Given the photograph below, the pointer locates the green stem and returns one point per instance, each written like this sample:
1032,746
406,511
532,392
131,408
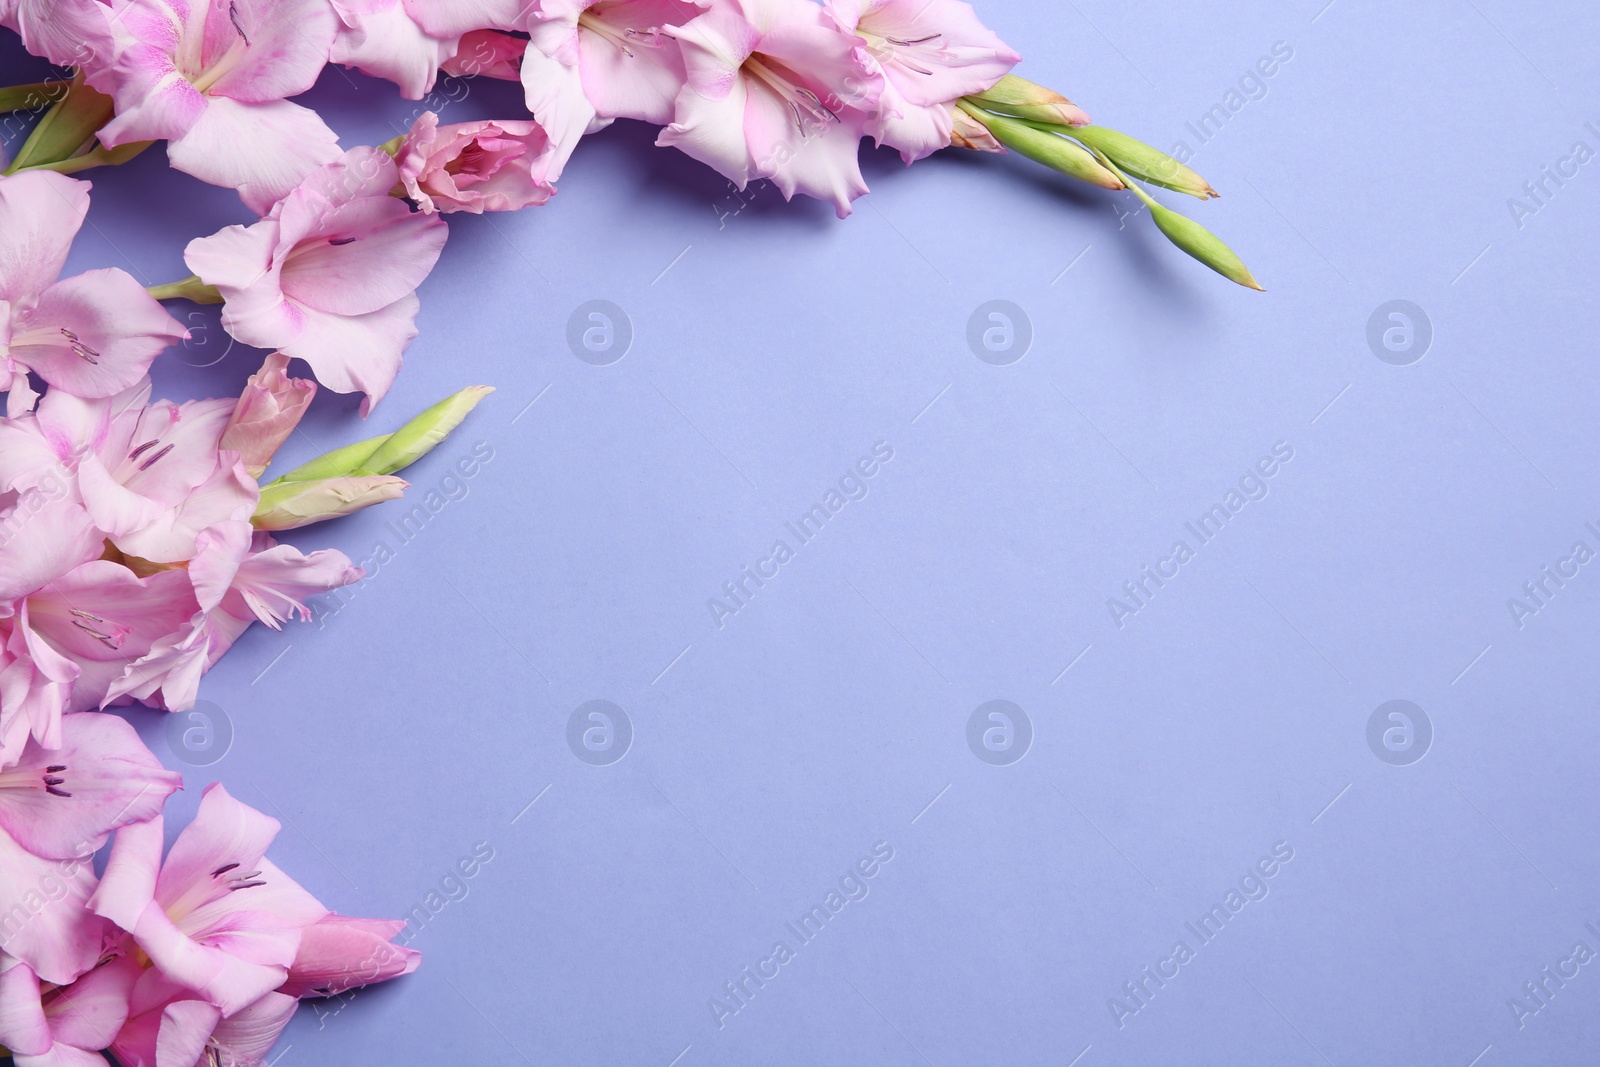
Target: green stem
190,288
31,97
99,156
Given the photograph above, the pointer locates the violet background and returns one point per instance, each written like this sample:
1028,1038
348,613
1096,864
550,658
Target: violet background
772,346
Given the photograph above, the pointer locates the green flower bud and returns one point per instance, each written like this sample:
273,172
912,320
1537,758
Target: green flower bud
1203,245
69,125
1053,151
1023,99
288,505
351,459
419,436
1142,161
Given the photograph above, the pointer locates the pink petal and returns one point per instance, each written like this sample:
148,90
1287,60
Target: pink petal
128,885
711,129
45,921
340,953
452,18
261,149
289,43
388,44
105,332
40,213
88,1013
23,1026
223,831
248,1035
384,250
50,536
554,94
359,353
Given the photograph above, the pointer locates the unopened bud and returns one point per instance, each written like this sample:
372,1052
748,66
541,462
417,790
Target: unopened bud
1050,149
269,409
1024,99
288,505
968,132
419,436
1144,162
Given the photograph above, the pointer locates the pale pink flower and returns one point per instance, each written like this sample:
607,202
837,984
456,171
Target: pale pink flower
266,413
381,38
775,90
45,921
216,917
168,1026
239,577
210,78
150,475
932,53
64,802
339,953
329,275
488,54
61,1025
591,61
475,166
453,18
93,334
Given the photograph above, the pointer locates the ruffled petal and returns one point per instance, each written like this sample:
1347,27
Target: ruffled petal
261,149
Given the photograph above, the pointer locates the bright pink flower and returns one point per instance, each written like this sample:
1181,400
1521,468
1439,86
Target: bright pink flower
216,917
60,1026
267,412
591,61
775,90
932,53
329,275
381,38
339,953
210,79
475,166
44,917
93,334
63,803
488,54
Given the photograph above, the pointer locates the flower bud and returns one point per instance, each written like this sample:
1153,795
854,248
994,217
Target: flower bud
968,132
1203,245
341,461
1023,99
268,410
288,505
1142,161
1053,151
338,954
419,436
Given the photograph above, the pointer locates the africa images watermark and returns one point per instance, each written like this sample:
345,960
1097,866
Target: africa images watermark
1537,193
1542,988
452,487
1253,485
852,485
1253,887
853,887
1538,591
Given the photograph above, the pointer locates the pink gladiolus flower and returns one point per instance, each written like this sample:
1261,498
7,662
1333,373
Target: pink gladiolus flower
338,954
216,918
94,334
591,61
329,275
48,924
151,476
381,38
475,166
62,1025
239,578
62,803
775,90
487,54
168,1025
932,53
267,412
211,78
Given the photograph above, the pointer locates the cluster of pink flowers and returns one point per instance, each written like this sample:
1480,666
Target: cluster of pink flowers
777,89
194,960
